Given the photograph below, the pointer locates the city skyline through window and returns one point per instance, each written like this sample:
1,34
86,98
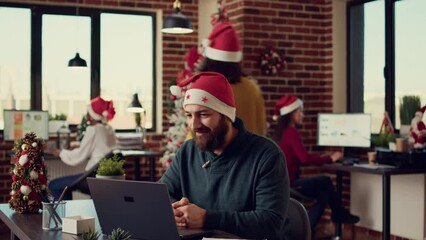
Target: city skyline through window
126,58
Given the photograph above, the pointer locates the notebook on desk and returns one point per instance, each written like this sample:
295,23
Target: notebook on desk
141,208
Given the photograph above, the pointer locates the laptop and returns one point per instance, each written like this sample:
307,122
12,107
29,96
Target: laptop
141,208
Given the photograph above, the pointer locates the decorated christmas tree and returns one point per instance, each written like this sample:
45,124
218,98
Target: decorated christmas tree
29,175
176,134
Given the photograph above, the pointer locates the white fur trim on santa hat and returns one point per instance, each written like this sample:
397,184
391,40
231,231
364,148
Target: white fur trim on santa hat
176,91
290,108
224,56
196,97
92,113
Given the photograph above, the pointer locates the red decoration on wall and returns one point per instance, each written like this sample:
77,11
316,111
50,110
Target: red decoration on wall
271,61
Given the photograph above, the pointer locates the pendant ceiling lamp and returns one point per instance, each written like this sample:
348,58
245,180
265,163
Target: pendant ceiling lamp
77,61
135,106
177,23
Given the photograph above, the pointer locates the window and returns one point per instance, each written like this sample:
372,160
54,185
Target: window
367,59
385,59
65,90
124,45
118,46
15,47
410,38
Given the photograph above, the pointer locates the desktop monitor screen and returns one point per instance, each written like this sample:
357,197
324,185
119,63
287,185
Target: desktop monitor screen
344,129
17,123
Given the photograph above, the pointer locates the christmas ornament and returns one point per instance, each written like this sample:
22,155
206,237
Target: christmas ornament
24,147
28,175
271,61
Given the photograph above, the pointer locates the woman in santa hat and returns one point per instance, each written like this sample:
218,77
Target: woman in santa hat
289,113
98,141
223,55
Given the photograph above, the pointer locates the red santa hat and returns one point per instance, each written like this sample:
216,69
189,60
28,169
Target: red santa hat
285,105
208,89
223,44
101,110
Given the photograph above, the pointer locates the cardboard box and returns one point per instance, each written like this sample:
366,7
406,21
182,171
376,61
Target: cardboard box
77,224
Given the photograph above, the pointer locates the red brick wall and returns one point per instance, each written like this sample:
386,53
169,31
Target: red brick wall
5,177
301,28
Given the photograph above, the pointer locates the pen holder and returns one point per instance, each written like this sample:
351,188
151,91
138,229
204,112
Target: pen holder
52,215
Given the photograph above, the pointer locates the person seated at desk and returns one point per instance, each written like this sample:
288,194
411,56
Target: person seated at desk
290,112
225,177
98,141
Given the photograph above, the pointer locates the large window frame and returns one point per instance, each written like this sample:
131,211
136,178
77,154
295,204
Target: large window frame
355,55
37,12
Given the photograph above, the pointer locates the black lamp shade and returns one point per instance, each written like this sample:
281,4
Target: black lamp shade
177,23
135,106
77,61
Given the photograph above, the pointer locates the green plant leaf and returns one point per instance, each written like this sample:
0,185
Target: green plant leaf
111,166
408,108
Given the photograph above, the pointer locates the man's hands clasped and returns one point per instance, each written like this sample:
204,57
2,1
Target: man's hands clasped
188,214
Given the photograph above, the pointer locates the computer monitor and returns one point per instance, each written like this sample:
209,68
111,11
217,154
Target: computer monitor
344,129
17,123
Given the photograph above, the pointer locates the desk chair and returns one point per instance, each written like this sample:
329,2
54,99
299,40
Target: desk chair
294,193
80,184
298,226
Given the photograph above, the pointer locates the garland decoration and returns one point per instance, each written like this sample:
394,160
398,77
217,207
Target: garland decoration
272,61
29,175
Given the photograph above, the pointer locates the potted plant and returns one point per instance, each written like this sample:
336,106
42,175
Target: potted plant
407,109
56,122
112,167
91,234
382,139
119,234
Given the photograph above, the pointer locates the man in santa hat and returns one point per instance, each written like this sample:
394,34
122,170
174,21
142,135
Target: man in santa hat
418,129
98,141
225,177
223,55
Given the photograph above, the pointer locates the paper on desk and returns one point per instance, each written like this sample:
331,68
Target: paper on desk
373,166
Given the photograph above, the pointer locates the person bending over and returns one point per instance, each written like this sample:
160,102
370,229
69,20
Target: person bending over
225,177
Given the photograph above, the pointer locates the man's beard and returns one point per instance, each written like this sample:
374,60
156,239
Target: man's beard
214,138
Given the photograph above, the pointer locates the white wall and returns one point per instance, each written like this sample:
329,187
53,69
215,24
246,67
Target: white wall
407,203
205,10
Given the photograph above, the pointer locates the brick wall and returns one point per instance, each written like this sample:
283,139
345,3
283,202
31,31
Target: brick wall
301,28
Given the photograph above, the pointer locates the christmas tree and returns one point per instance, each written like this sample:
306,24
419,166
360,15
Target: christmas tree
176,134
29,175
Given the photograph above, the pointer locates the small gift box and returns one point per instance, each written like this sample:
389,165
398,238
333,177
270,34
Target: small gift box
77,224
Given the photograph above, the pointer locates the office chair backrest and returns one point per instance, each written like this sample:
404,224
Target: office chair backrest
81,183
298,226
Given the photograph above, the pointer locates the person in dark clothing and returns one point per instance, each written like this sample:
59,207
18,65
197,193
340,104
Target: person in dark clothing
225,177
289,109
